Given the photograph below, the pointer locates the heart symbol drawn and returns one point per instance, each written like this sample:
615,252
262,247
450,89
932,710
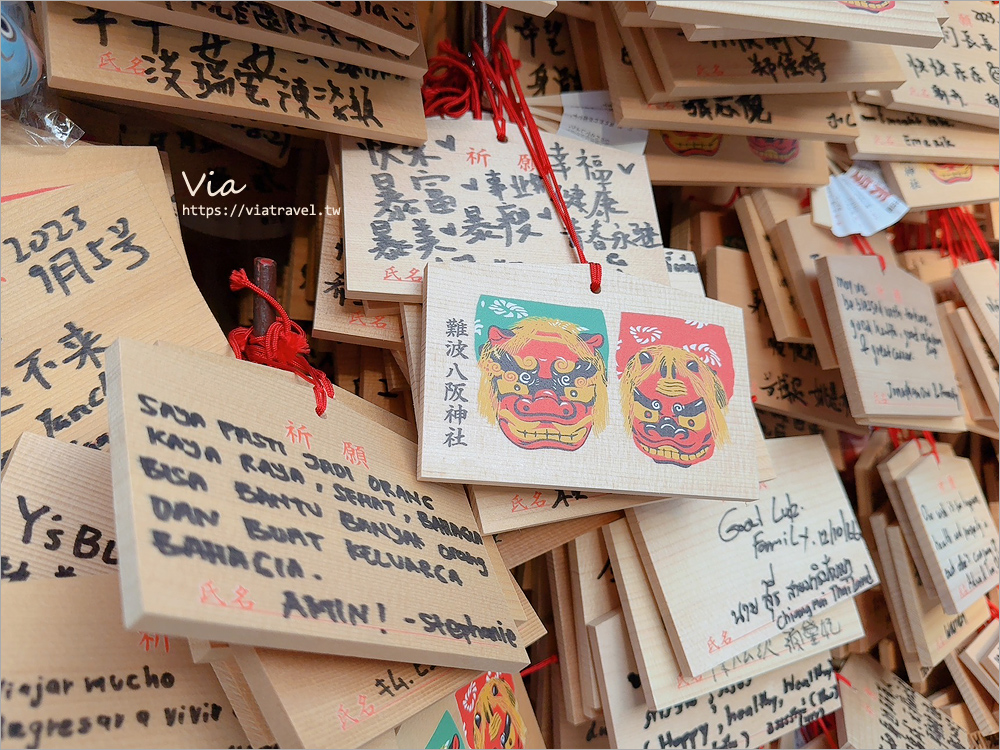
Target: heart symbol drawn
628,169
448,143
449,230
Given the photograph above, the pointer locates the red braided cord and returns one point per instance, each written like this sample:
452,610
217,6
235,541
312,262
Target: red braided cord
284,346
502,77
444,95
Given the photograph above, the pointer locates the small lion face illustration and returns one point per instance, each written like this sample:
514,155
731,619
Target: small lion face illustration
870,6
674,405
496,722
544,383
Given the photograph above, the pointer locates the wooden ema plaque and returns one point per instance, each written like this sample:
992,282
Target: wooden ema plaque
83,681
594,595
116,57
778,65
748,714
886,135
779,298
785,378
695,158
56,517
281,28
900,22
663,683
500,509
981,361
29,168
564,621
461,719
405,576
935,632
882,711
799,243
510,380
905,639
981,657
335,317
978,284
99,263
954,530
888,339
370,696
464,197
923,187
545,51
393,25
958,78
789,556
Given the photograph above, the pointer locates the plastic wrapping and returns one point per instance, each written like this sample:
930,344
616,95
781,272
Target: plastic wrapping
25,95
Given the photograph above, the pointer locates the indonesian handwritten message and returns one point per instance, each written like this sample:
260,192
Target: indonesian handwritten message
886,331
83,265
747,714
789,556
280,528
465,197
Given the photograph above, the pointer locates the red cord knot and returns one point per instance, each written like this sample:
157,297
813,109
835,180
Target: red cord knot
284,346
929,437
841,678
595,277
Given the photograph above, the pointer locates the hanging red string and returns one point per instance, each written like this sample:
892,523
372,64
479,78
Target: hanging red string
284,346
532,668
865,248
497,77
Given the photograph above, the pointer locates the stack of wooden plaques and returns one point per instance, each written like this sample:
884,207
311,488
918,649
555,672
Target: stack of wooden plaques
739,489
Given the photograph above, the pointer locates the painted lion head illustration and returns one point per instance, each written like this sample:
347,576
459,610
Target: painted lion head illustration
496,722
544,382
676,380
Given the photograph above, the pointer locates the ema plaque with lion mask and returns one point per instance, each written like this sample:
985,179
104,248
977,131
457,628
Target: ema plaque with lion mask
639,389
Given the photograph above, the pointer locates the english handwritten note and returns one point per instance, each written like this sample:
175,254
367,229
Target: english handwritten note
954,529
886,331
747,714
882,711
787,557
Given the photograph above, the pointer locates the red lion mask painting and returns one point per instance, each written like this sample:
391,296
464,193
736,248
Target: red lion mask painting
676,382
490,715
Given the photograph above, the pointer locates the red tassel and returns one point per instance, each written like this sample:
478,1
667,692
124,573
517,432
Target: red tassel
284,346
